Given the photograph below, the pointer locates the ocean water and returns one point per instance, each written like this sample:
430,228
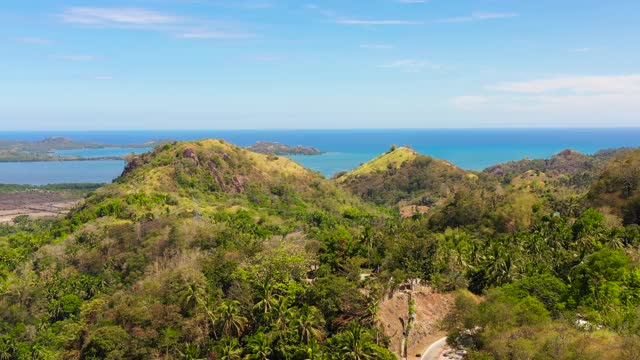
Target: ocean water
53,172
106,152
473,149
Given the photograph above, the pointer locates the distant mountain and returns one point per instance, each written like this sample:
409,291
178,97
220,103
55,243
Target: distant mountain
273,148
568,167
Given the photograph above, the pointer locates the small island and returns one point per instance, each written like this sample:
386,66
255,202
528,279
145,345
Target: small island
44,150
274,148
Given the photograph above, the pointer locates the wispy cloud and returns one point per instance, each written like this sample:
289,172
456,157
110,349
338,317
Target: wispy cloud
575,84
215,35
144,19
33,40
376,46
103,78
478,16
411,65
74,57
346,20
578,96
117,17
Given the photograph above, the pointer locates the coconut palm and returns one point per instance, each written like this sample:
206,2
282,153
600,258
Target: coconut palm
354,343
308,324
259,347
282,314
228,319
228,349
268,298
191,295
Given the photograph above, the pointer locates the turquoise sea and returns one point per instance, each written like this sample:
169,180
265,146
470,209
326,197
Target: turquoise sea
473,149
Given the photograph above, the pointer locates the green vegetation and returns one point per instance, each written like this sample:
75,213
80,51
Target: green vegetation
208,250
272,148
9,188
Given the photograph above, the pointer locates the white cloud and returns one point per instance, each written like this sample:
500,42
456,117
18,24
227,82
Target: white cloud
576,84
478,16
33,40
411,65
614,98
215,35
75,57
347,21
116,17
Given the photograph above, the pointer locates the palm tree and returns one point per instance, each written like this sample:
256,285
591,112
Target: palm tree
190,352
228,349
228,319
259,347
282,314
268,298
354,343
311,351
191,295
308,324
6,349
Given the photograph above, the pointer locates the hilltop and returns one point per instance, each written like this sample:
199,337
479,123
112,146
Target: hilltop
568,167
200,248
402,177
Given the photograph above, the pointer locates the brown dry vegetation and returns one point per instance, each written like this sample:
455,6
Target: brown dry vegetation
430,306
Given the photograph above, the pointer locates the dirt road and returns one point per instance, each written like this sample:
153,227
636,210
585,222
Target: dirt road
435,350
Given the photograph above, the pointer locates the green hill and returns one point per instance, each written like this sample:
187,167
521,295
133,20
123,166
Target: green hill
207,250
618,187
402,177
200,249
566,168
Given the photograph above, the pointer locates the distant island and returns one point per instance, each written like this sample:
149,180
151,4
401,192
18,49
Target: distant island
274,148
43,150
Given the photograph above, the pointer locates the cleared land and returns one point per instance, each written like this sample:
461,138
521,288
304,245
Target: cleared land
36,203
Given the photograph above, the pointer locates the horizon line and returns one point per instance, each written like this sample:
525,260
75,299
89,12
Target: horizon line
334,129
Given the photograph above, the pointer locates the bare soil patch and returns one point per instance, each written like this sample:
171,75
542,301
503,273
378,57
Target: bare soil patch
431,307
36,203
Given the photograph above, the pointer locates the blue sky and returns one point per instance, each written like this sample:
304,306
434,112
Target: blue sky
222,64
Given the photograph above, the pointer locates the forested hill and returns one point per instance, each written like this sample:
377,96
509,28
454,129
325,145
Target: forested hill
618,187
199,249
567,166
207,250
403,177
